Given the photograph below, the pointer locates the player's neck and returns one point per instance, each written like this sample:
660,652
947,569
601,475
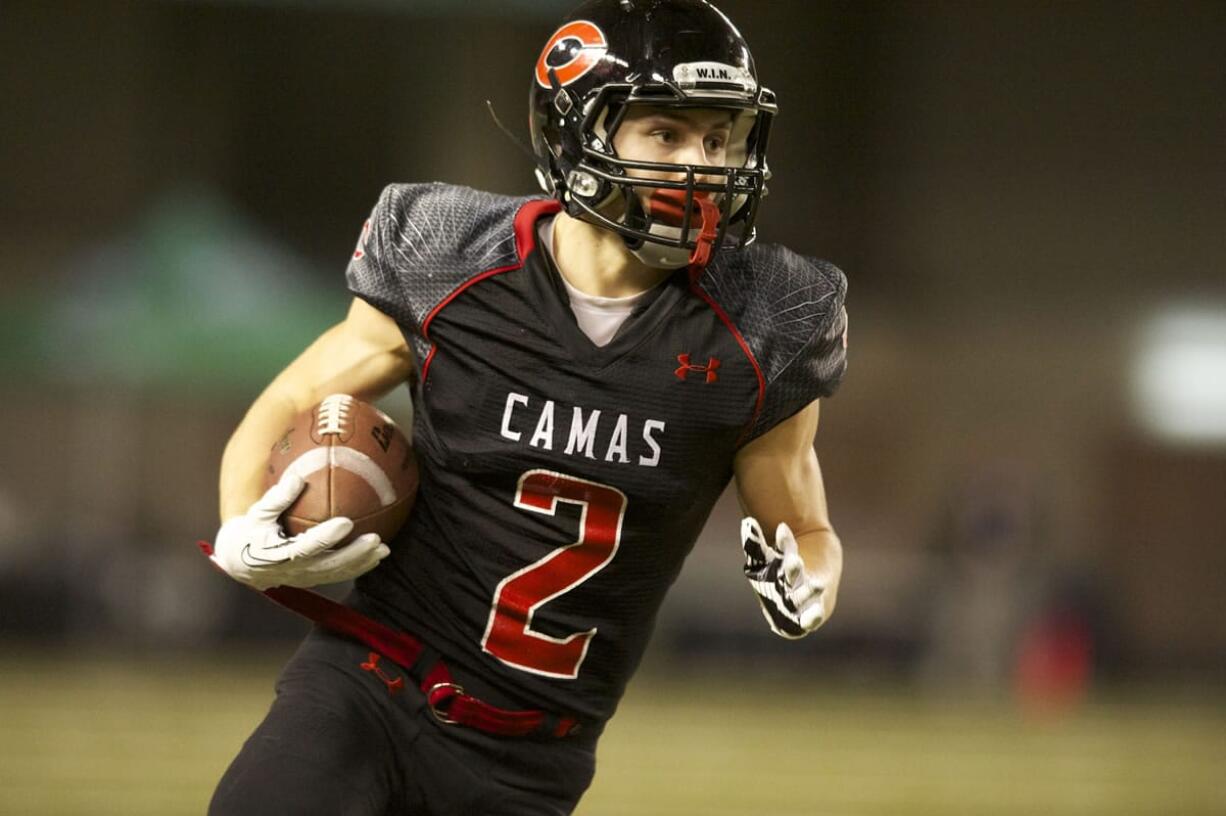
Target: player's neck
596,261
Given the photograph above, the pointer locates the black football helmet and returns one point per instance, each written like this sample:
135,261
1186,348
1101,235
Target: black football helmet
610,54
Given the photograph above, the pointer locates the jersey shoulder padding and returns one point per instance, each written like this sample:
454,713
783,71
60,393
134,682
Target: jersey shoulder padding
789,311
425,241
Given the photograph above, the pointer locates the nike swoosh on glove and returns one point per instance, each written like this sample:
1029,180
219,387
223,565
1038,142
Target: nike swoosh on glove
791,599
254,550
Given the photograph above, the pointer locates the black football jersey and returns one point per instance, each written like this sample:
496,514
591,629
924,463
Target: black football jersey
563,484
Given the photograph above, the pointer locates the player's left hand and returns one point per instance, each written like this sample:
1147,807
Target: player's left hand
254,550
792,600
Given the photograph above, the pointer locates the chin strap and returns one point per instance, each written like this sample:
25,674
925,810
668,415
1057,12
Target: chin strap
668,206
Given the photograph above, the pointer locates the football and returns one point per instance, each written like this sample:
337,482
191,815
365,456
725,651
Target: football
356,463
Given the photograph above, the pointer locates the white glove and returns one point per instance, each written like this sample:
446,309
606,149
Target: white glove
253,550
791,599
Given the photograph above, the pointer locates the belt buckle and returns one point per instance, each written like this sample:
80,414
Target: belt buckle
439,714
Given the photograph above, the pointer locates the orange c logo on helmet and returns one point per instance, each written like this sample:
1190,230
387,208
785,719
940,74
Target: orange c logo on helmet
572,51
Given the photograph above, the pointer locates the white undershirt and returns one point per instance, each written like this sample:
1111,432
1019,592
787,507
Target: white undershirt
598,317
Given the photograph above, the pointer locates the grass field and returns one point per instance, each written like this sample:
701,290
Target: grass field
91,737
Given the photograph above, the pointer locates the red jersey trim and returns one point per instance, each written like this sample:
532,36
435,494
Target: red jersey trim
525,223
740,340
525,243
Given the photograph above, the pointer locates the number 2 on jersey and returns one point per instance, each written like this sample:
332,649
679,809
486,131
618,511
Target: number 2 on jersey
509,635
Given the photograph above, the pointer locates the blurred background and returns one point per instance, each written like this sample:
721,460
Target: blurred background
1026,461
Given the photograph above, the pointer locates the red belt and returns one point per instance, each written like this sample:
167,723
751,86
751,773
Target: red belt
446,699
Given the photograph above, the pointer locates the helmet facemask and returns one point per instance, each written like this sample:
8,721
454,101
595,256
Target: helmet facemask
646,202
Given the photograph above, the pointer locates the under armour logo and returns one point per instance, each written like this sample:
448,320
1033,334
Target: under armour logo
686,367
394,684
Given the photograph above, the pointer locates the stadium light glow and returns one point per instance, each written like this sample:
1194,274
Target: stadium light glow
1179,376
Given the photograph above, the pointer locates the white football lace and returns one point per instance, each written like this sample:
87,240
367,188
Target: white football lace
334,413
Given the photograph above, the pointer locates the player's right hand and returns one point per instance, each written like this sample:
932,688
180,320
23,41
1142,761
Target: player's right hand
254,550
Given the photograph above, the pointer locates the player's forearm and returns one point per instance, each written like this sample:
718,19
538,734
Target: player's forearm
246,454
365,355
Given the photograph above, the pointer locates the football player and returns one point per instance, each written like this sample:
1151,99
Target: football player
589,369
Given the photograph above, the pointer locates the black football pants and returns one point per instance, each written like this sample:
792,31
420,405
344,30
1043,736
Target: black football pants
341,739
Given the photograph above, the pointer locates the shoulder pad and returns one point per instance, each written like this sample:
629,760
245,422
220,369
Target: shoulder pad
789,310
423,241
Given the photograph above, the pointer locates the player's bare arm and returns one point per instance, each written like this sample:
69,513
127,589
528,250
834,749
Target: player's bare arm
779,481
364,355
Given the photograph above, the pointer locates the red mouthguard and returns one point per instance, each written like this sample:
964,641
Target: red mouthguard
668,206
